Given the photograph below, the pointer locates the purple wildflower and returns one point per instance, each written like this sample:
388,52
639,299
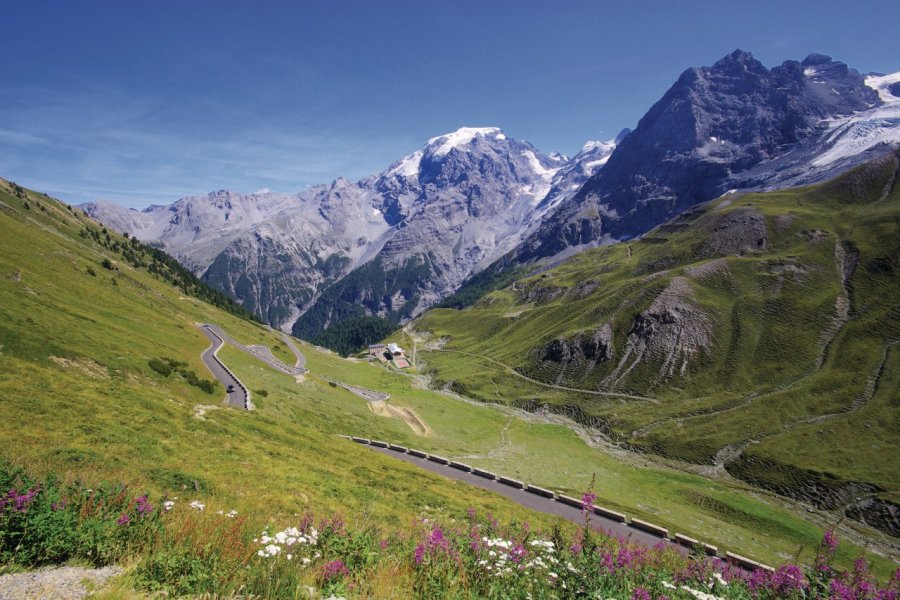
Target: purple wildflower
587,501
840,590
436,540
123,520
759,579
640,593
518,553
420,554
143,506
20,502
829,542
334,570
383,544
788,579
625,558
575,548
608,563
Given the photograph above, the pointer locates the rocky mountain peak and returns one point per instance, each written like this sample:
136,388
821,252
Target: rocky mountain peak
815,59
734,125
739,61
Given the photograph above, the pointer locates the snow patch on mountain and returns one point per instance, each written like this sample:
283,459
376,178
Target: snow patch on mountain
882,84
864,130
461,138
408,166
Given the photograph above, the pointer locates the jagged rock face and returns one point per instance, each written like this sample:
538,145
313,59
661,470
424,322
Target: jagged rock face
736,124
672,333
466,199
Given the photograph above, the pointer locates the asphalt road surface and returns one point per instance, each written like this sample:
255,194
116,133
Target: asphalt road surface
301,358
238,398
530,500
550,506
261,352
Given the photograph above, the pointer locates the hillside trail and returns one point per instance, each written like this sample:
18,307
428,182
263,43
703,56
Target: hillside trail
495,452
365,394
512,371
300,363
56,583
414,338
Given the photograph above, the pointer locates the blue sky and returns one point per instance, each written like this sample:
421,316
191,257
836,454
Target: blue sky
146,102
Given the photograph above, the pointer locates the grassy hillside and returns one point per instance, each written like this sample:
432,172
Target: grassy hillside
77,396
756,334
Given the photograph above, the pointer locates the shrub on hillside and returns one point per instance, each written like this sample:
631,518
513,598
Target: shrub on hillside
167,366
160,366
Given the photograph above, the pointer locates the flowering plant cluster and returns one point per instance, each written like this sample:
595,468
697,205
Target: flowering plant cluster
50,522
197,552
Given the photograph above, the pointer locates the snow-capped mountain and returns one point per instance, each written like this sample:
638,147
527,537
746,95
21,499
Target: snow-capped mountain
735,125
443,212
397,242
456,206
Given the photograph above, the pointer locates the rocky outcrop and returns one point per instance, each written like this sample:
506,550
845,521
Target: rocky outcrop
738,232
671,333
853,498
542,294
875,512
585,347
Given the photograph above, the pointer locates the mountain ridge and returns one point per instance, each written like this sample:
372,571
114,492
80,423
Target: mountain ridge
472,205
462,200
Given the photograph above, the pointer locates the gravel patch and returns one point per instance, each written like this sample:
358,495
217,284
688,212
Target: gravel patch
60,583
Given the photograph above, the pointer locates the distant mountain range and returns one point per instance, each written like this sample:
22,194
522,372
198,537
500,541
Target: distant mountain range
413,232
477,201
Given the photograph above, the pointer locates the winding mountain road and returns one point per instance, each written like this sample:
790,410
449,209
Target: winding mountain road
239,397
262,352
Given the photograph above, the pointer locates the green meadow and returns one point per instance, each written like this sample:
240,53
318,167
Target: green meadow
77,397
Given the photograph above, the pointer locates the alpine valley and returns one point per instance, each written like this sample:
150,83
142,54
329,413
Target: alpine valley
476,207
646,371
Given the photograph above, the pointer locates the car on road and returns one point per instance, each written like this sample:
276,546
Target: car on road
230,388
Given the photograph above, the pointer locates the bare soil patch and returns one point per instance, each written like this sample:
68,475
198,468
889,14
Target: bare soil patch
85,366
407,415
